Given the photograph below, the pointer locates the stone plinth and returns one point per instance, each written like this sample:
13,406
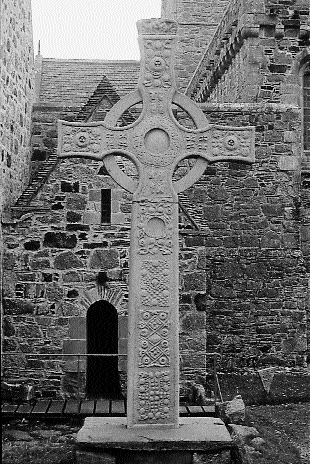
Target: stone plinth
152,444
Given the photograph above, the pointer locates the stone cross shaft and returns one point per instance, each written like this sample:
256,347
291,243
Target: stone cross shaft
155,143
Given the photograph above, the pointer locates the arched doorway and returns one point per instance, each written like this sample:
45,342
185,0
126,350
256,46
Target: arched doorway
102,376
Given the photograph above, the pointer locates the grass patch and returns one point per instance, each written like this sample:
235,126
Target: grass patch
285,428
34,453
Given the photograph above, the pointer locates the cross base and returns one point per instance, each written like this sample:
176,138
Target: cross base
103,440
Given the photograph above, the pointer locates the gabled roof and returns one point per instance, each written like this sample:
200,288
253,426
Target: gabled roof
72,82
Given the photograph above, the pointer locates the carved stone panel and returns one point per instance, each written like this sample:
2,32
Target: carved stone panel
155,283
81,139
154,338
154,396
155,227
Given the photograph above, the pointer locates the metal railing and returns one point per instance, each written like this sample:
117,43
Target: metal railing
215,356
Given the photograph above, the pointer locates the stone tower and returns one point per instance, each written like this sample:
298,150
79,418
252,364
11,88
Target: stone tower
198,20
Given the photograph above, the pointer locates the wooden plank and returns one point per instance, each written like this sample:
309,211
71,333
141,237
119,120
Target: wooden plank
102,407
87,407
8,409
209,410
41,407
56,407
117,408
72,407
183,410
24,408
195,410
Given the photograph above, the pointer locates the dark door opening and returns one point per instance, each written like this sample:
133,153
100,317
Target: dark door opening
102,376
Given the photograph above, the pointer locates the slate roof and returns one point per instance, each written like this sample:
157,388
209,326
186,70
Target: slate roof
72,82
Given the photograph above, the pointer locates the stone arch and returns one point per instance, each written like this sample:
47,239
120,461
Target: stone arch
102,375
111,295
74,379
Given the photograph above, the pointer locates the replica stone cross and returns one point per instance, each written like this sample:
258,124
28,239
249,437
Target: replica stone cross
155,143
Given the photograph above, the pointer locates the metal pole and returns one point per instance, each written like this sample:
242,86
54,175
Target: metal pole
215,378
78,377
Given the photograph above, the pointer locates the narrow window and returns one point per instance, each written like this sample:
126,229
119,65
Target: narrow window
306,91
105,206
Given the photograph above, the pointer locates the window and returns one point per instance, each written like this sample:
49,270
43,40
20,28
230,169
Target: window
306,105
105,206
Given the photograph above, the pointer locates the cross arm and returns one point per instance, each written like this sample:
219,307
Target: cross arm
98,142
92,140
80,140
221,143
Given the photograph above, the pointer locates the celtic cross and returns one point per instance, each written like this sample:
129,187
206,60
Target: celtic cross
155,143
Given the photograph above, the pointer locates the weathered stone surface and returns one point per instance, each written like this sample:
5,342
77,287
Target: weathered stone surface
104,259
59,240
77,328
32,245
203,433
72,276
222,457
271,240
87,457
17,87
29,331
194,281
258,443
76,202
54,292
67,260
68,309
243,431
18,306
8,327
72,216
233,412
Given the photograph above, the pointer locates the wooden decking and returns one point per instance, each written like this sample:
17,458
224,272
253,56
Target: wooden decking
61,409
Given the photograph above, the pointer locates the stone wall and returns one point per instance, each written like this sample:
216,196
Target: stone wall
255,54
197,21
244,240
53,264
243,277
16,87
256,301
